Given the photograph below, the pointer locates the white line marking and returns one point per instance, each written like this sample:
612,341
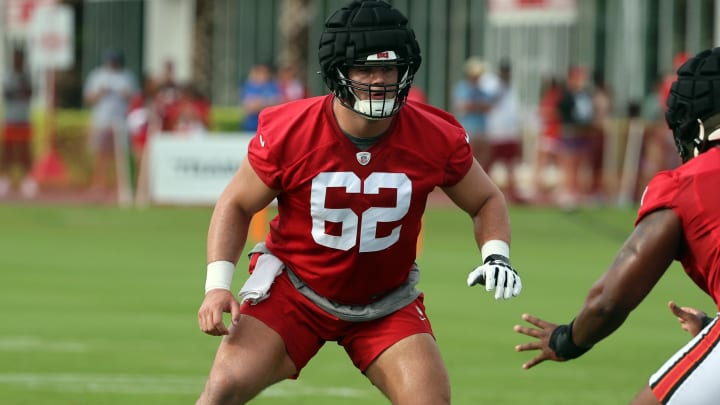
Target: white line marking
29,343
137,384
159,384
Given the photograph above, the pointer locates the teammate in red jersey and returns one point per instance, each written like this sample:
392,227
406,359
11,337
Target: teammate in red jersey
679,220
351,172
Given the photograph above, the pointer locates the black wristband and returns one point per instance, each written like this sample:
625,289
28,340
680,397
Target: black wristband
706,321
497,257
562,344
504,261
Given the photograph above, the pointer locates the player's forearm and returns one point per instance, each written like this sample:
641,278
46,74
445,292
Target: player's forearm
595,323
637,267
589,329
492,221
227,233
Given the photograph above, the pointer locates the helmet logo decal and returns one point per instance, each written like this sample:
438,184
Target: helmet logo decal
384,55
363,157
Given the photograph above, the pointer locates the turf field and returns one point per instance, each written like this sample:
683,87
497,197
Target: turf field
99,304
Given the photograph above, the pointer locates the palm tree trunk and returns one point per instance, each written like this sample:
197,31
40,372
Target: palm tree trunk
294,23
202,47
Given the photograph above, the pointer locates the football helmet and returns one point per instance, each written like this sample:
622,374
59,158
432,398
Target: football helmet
693,105
368,33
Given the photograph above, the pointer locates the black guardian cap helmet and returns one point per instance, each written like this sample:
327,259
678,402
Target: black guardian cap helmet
368,33
693,105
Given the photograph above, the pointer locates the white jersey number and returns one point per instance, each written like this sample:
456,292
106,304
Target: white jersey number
356,230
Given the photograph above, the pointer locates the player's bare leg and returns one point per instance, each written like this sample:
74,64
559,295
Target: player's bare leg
480,150
412,372
251,358
645,397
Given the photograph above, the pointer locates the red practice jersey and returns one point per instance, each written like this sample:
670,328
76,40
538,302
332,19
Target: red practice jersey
691,191
348,220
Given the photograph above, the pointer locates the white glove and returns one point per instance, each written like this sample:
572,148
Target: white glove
497,273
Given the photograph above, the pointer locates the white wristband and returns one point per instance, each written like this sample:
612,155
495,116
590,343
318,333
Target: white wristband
495,247
219,275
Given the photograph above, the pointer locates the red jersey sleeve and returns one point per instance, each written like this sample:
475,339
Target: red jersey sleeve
461,157
263,158
660,193
460,161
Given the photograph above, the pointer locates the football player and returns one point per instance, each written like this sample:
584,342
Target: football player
678,219
351,172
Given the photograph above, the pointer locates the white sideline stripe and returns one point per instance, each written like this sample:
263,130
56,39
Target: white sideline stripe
294,389
29,343
127,384
156,384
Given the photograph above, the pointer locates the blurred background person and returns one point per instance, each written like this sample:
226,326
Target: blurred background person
17,129
548,142
658,149
190,114
669,77
291,86
471,104
138,124
260,90
504,132
602,105
575,109
166,92
108,90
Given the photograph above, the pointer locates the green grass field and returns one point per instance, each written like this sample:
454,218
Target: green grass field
99,307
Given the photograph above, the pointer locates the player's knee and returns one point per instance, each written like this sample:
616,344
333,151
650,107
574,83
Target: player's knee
438,395
226,389
422,391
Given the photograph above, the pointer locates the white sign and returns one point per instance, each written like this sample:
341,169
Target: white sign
532,12
194,170
18,14
51,37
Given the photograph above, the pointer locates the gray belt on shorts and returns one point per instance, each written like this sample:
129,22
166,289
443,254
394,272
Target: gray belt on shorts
389,303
